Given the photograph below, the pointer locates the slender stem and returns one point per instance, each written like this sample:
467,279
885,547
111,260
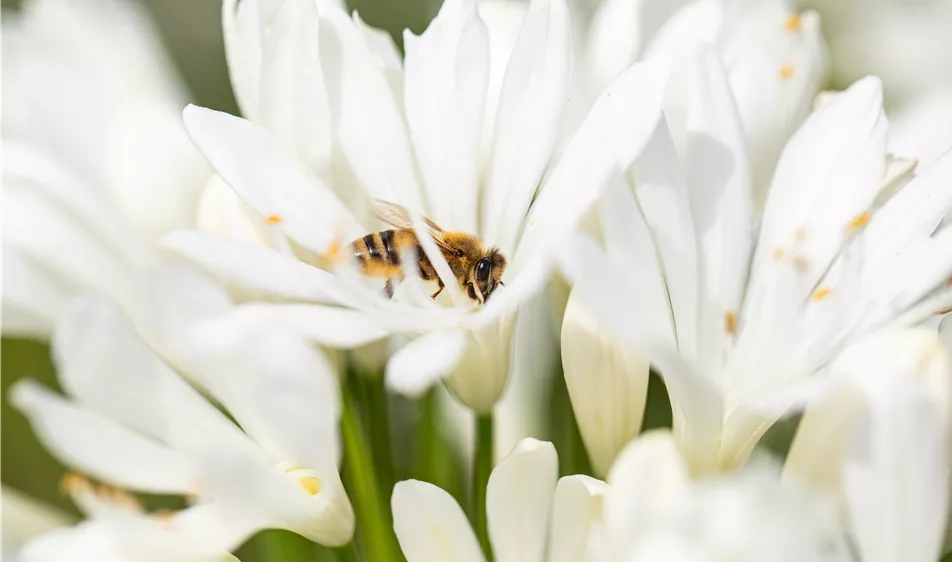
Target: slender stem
345,553
378,420
284,546
373,516
437,462
481,471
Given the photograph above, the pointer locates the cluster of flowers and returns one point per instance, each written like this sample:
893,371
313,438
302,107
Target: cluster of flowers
717,222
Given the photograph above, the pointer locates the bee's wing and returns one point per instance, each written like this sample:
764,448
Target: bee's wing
399,216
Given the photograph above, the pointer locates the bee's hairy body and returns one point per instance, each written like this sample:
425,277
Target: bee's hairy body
380,254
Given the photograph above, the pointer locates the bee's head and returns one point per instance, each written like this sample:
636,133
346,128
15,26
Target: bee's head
487,274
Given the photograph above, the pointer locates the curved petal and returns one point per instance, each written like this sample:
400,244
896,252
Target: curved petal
251,161
445,78
370,125
33,296
423,361
615,131
242,37
534,91
97,445
576,508
430,525
259,269
519,501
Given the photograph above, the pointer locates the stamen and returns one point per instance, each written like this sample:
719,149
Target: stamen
792,23
73,482
311,483
730,322
821,294
859,221
274,219
785,72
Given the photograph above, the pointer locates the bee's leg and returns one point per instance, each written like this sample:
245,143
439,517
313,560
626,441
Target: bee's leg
438,291
388,289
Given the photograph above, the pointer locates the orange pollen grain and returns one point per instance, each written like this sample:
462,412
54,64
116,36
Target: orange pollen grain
274,219
859,221
785,72
792,23
821,294
730,322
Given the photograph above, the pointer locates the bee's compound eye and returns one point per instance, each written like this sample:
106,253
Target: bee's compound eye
483,267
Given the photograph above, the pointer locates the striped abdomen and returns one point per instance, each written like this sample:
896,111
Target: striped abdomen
378,253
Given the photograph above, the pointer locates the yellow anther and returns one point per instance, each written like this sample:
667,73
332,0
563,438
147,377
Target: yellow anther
785,72
821,294
73,482
311,483
859,221
274,219
730,322
792,23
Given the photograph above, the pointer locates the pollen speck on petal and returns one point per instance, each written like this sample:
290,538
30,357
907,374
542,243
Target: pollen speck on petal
778,254
786,72
859,221
274,219
73,482
730,322
311,484
821,294
792,23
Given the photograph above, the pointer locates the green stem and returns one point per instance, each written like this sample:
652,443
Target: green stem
437,462
345,553
284,546
371,508
378,420
481,470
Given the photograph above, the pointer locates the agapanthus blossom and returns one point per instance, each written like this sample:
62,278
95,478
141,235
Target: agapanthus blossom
131,421
419,146
682,280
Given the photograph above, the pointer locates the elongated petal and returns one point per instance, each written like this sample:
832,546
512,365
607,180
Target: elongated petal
109,369
445,80
370,123
252,162
607,384
97,445
576,507
519,500
423,361
430,525
648,479
613,134
33,296
479,377
718,180
260,269
293,98
242,37
533,92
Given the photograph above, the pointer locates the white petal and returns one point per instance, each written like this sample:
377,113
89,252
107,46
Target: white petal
662,195
33,296
829,174
648,478
242,37
109,369
97,445
576,508
607,384
613,134
896,476
445,78
250,160
370,124
718,180
533,92
945,331
293,99
479,377
519,501
260,269
430,525
423,361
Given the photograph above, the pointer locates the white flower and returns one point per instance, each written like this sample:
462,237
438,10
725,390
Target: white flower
775,58
96,164
532,514
879,442
434,125
736,328
653,512
131,421
117,530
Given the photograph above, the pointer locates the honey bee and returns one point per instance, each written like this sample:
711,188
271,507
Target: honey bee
477,269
